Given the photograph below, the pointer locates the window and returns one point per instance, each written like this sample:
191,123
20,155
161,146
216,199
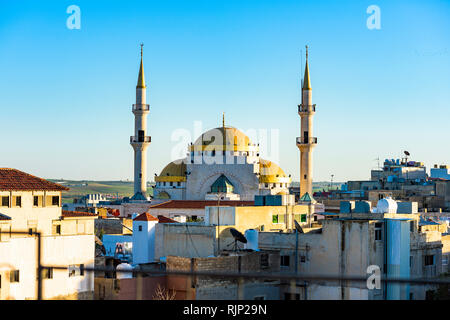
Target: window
264,260
444,260
35,201
75,270
14,276
429,260
5,201
275,218
55,200
140,228
411,226
18,202
303,218
411,259
47,273
378,230
285,261
302,259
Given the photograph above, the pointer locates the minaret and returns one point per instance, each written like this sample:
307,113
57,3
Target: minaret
140,141
306,142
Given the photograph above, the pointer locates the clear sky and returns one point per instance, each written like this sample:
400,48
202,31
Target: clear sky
66,95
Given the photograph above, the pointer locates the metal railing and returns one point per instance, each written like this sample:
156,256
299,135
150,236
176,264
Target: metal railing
134,139
303,140
302,108
141,107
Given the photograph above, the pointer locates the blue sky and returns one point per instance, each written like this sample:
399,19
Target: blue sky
66,95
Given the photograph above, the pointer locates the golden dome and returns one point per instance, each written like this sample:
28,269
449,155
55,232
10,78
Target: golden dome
173,172
269,172
223,138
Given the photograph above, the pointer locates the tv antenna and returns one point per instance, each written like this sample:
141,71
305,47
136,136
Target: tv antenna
237,237
298,230
407,154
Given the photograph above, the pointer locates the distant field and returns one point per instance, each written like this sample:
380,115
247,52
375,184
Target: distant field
111,188
125,188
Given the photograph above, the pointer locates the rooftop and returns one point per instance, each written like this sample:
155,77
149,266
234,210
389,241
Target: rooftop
200,204
69,214
16,180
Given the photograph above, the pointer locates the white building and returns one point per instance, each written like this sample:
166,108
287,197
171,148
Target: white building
442,172
31,204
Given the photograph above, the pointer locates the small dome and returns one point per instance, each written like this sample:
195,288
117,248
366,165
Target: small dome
173,172
124,267
270,172
222,138
163,195
386,205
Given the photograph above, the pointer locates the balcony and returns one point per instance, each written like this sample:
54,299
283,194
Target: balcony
146,139
302,108
305,140
141,107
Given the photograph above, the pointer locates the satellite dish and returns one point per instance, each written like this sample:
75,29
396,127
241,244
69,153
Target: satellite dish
297,227
407,153
238,236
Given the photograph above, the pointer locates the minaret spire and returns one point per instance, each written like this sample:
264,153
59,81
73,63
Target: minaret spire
306,81
141,77
223,119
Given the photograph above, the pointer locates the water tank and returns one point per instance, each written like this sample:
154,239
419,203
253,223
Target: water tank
252,239
124,267
387,205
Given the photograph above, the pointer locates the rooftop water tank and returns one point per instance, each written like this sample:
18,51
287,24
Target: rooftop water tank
124,267
252,239
386,205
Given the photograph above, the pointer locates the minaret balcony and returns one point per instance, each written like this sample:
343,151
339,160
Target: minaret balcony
144,139
141,107
307,108
305,141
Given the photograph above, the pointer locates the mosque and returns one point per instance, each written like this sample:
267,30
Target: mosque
223,163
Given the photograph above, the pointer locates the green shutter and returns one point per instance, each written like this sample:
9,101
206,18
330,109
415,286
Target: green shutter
274,218
303,219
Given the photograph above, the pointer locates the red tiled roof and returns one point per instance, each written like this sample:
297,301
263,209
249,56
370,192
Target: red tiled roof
145,217
16,180
69,214
200,204
162,219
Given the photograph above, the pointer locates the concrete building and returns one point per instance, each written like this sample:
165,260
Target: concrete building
213,288
306,142
192,210
29,203
361,237
441,172
210,237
